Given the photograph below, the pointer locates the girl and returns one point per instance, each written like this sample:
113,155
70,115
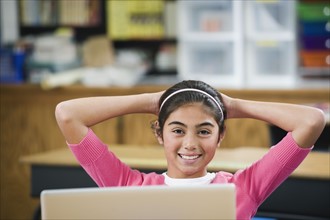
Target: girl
190,126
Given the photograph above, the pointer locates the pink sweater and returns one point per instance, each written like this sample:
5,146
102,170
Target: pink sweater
253,184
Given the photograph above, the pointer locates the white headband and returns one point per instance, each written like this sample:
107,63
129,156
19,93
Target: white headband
193,90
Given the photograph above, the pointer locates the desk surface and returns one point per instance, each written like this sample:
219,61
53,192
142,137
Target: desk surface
315,166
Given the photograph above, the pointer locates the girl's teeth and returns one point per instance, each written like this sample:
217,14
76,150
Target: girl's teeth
189,157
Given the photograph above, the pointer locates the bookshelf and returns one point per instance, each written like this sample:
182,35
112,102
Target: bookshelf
106,18
143,25
255,46
85,17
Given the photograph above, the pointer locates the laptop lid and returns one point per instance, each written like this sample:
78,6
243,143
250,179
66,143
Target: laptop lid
214,201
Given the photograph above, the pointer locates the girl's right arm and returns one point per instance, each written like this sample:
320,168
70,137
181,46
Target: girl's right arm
74,117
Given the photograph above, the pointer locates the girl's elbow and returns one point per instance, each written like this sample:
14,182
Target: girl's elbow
310,128
62,114
318,121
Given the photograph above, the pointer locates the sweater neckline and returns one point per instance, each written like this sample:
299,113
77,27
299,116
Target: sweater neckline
207,179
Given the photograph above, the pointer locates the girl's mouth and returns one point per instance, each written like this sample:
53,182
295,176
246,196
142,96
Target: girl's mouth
189,157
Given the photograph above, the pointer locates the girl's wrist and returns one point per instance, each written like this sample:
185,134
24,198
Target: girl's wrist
239,108
231,105
153,102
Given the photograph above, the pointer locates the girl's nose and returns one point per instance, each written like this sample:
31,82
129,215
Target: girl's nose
190,142
190,147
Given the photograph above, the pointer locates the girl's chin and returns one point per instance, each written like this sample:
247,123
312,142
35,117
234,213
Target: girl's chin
192,173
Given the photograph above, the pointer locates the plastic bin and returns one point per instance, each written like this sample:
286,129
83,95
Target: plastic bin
272,16
11,65
319,58
315,42
315,28
271,57
211,59
209,16
314,11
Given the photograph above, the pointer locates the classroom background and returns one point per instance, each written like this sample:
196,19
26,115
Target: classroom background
271,50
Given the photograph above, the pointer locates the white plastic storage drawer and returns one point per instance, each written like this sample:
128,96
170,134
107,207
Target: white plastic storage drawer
271,63
209,58
272,16
271,57
207,16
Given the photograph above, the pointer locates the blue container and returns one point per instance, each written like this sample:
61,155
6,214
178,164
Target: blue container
11,65
315,28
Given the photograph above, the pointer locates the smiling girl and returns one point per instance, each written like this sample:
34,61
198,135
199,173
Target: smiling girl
191,126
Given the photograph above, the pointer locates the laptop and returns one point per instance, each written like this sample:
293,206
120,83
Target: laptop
213,201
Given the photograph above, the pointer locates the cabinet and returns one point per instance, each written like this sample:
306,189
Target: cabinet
238,43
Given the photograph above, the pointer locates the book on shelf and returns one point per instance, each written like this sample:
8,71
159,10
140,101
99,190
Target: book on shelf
60,12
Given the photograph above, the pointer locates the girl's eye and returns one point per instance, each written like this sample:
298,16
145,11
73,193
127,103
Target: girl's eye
204,132
178,131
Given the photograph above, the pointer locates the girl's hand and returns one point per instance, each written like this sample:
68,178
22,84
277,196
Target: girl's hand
155,102
229,105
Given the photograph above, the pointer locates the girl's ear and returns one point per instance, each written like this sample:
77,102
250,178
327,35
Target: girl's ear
157,132
160,139
222,135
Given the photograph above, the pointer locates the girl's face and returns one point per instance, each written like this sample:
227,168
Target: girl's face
190,139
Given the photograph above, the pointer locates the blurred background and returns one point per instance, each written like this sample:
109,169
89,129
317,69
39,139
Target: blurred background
230,44
53,50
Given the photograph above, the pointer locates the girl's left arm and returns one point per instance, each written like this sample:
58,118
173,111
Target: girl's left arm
306,123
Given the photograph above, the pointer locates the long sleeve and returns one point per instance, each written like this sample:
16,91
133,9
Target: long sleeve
105,168
255,183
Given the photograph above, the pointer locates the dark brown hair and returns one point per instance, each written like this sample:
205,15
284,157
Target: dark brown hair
184,98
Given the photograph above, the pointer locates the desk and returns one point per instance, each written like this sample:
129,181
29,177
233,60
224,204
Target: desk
306,192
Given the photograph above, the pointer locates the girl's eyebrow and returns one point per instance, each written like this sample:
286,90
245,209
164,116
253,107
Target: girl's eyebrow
197,126
177,123
205,124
